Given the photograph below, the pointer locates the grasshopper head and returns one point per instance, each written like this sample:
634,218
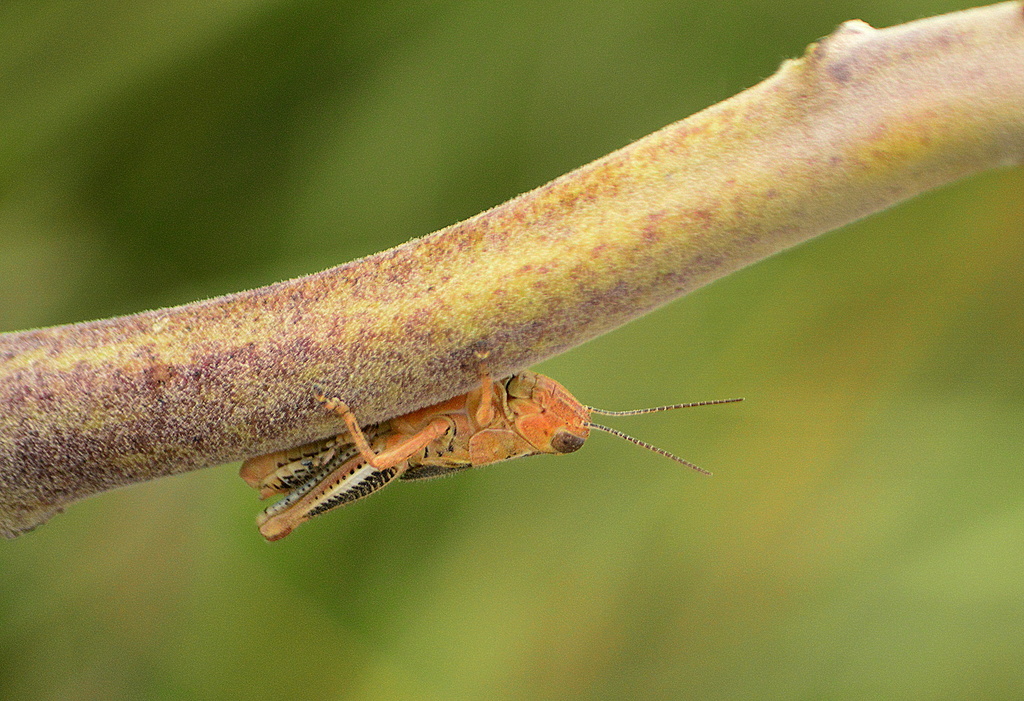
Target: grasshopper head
545,414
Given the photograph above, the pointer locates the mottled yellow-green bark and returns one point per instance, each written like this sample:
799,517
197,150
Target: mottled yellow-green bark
865,119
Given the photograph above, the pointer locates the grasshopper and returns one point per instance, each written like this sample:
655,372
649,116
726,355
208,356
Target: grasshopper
525,414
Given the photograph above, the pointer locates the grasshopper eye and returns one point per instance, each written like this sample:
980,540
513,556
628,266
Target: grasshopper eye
565,442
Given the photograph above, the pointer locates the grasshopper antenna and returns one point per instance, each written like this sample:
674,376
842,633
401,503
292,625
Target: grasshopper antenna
648,446
637,412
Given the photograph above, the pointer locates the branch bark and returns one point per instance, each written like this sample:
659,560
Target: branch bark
865,119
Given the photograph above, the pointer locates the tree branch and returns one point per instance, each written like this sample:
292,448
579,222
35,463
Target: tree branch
865,119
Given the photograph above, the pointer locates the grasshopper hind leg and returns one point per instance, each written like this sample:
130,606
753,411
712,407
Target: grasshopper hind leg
285,468
324,475
426,472
326,489
364,482
296,473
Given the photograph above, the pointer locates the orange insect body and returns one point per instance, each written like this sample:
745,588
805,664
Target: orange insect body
526,414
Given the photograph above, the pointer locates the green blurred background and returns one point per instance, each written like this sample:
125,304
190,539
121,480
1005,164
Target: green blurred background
863,535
